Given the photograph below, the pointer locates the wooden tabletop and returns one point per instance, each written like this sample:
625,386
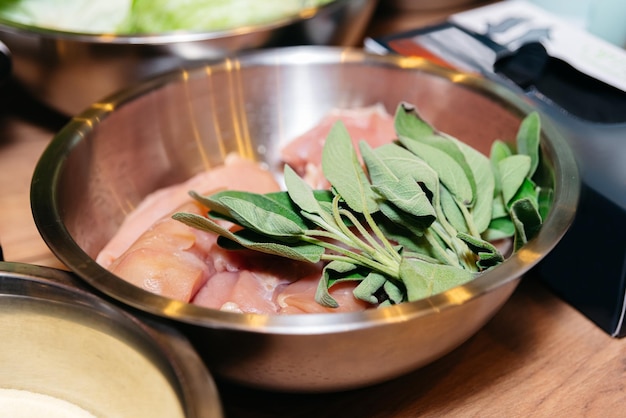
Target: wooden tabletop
538,357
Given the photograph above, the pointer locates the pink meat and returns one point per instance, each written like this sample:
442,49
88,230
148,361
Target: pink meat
236,174
216,293
304,154
257,283
164,256
240,291
168,259
299,297
249,281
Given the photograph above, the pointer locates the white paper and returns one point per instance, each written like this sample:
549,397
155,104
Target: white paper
515,22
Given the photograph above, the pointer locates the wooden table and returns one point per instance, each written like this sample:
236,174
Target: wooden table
538,357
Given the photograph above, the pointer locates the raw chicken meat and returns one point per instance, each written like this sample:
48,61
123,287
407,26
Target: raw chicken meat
248,281
299,297
236,174
304,154
164,256
170,258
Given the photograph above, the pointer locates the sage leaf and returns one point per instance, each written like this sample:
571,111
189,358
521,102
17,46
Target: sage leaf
513,171
424,279
300,251
499,228
528,138
450,173
323,197
407,196
407,235
484,178
394,293
488,254
400,162
213,204
499,151
528,190
545,196
200,222
283,198
399,189
527,220
415,224
407,121
440,151
419,284
451,210
335,271
343,171
498,208
269,219
368,287
277,203
304,197
301,193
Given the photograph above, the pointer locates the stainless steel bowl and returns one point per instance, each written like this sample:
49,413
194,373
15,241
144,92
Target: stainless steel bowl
62,341
69,71
431,5
163,131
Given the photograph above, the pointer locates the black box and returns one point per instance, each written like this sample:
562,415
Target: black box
588,267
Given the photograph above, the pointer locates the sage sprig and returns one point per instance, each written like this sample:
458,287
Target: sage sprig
407,220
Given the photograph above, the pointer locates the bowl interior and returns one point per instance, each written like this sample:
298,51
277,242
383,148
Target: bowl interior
165,130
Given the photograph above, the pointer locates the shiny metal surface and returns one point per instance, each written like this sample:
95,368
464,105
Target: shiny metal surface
429,5
6,63
62,341
163,131
69,71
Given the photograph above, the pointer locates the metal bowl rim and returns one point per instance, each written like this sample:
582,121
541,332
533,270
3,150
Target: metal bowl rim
164,38
48,220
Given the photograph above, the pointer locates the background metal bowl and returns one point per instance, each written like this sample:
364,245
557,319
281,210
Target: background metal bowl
69,71
61,341
163,131
430,5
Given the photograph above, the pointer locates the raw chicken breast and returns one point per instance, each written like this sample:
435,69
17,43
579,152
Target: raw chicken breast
249,281
304,154
164,256
236,174
299,297
168,259
252,282
240,291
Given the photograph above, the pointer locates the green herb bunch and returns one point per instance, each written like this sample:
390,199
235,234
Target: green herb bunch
415,217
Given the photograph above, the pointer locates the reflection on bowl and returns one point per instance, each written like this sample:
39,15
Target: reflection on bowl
165,130
450,6
70,346
69,71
